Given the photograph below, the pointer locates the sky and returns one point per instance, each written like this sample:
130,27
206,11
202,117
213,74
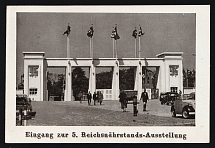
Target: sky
164,32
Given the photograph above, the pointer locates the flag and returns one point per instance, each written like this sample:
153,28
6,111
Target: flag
67,32
134,34
140,32
114,33
90,32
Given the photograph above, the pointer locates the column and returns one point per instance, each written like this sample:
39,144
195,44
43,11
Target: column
68,91
162,78
140,80
92,79
136,74
115,81
167,74
180,74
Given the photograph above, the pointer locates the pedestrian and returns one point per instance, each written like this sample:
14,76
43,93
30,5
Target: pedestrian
89,97
180,92
95,98
145,98
123,100
100,97
80,96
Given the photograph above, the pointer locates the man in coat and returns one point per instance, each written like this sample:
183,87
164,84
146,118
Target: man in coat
145,98
100,97
89,97
123,101
95,98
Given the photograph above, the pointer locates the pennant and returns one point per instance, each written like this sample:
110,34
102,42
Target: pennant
67,32
140,32
134,34
90,32
114,33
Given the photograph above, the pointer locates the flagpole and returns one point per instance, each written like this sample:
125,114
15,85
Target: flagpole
68,49
113,47
92,47
139,47
135,47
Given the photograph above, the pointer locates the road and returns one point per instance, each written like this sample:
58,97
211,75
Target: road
74,113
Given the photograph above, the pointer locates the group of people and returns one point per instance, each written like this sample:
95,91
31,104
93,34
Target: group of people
97,97
122,99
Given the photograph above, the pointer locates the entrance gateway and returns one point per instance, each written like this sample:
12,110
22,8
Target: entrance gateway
169,73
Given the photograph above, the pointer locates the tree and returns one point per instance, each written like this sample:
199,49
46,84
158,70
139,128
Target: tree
79,81
126,79
104,80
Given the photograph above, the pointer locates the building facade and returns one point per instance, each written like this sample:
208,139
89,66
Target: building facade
168,71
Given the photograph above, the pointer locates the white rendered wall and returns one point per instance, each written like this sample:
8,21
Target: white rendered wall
34,82
163,84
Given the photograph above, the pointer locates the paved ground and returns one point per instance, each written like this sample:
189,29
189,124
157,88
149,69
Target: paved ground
108,114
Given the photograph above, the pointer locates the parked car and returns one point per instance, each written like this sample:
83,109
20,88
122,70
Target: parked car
168,97
22,100
184,105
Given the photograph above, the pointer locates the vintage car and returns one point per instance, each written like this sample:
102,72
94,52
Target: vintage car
23,101
168,97
184,105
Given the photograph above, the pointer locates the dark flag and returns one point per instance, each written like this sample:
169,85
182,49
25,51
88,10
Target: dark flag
90,32
114,33
140,32
134,34
67,32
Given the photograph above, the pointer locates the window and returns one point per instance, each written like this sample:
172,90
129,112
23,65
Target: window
173,69
33,70
33,91
174,89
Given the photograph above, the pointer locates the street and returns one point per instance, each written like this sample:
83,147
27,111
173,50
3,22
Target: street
74,113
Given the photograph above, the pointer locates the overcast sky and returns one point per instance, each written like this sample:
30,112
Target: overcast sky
43,32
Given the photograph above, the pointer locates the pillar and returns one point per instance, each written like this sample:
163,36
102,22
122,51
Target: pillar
92,78
136,74
167,76
162,78
115,81
68,91
140,80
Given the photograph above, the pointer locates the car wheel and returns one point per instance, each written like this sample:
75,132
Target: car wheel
185,113
173,112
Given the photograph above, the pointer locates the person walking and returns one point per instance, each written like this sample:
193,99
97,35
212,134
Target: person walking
80,96
89,97
95,98
123,101
100,97
144,98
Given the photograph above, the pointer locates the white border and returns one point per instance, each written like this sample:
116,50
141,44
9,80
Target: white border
197,134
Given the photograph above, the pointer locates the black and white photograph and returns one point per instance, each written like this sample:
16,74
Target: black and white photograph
107,74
